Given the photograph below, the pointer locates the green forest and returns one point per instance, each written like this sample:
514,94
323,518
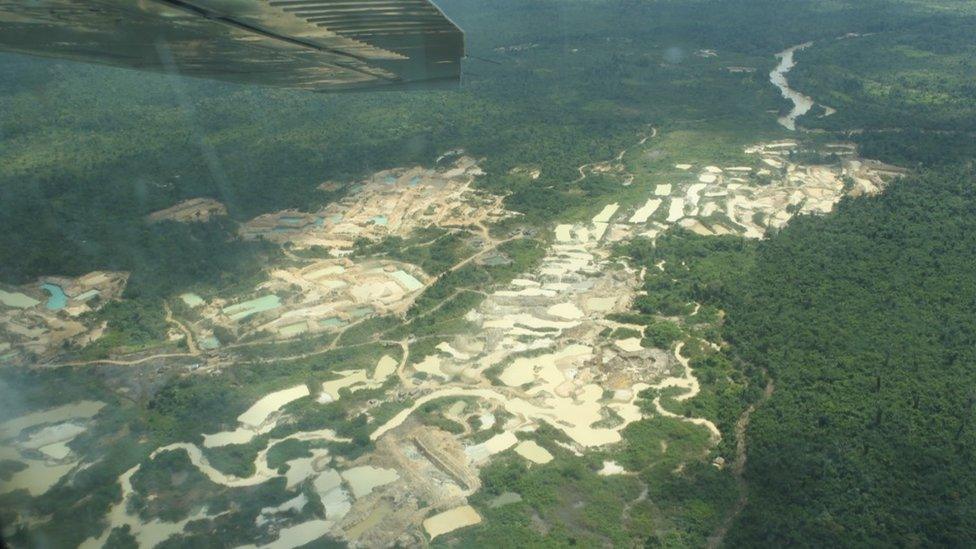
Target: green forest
864,319
88,151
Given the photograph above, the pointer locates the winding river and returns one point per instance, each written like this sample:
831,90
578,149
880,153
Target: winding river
801,103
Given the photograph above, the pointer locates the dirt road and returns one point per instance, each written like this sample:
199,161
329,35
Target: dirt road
738,468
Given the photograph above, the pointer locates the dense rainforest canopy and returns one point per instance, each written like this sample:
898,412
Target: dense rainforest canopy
864,319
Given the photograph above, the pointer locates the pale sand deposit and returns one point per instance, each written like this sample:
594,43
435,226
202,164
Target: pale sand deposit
605,214
451,520
531,451
676,210
366,478
646,211
258,419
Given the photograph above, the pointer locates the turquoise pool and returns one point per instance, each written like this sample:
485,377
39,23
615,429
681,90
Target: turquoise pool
58,298
362,311
291,220
252,307
407,280
332,322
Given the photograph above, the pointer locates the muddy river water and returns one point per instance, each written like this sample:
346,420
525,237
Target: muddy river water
801,103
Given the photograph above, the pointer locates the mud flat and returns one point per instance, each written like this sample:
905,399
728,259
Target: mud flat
257,419
568,311
575,419
451,520
386,366
83,409
147,534
362,480
564,233
356,380
531,451
629,345
296,535
18,300
600,304
479,453
431,365
58,427
693,193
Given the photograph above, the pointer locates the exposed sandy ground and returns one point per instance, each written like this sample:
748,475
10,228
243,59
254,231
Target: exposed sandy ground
389,203
194,210
258,419
29,327
451,520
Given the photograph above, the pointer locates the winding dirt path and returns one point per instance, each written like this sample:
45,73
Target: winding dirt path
640,498
121,362
489,248
738,468
620,156
402,367
190,344
689,382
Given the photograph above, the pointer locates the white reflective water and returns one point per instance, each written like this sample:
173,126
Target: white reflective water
801,103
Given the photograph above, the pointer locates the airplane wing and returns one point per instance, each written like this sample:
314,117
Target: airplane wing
320,45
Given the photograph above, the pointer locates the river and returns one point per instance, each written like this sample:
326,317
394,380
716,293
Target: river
801,103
